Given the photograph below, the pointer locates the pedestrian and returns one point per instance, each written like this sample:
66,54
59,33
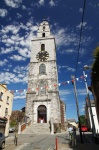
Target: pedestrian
16,139
74,136
70,130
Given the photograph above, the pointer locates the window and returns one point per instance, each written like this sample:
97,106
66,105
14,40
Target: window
42,69
43,47
43,28
42,89
7,100
43,34
1,95
6,112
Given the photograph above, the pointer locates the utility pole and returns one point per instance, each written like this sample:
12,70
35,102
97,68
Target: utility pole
91,114
75,92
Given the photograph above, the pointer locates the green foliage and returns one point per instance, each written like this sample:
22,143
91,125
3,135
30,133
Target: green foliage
96,62
82,119
13,123
96,53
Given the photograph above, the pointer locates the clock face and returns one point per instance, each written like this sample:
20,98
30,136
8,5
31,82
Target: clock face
42,56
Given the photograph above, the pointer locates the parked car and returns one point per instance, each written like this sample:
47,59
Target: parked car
84,128
2,141
12,129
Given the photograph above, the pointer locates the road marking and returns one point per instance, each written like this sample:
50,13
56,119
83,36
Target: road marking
89,139
21,146
50,148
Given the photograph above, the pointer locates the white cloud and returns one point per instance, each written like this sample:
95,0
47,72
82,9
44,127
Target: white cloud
67,67
29,24
3,12
17,58
23,7
24,52
7,50
80,10
19,75
79,62
41,2
2,63
68,51
18,43
65,37
19,15
10,28
84,24
83,92
20,95
21,69
71,69
13,3
65,92
9,41
52,3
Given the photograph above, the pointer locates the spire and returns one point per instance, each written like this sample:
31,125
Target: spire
45,18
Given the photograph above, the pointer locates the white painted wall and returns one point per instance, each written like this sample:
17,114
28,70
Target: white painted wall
95,119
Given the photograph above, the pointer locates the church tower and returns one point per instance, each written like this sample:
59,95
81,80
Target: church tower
42,100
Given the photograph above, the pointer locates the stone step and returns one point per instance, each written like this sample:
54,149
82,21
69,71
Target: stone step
41,128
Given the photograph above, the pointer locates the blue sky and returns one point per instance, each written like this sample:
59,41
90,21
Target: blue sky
19,20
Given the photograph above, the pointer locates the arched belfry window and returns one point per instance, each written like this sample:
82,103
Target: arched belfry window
42,69
42,47
43,34
42,89
43,28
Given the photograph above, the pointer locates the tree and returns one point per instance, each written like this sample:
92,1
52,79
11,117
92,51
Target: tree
82,119
95,67
13,123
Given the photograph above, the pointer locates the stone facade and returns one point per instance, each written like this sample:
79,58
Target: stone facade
42,101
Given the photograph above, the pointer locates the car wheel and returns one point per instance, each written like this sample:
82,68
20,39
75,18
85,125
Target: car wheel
3,145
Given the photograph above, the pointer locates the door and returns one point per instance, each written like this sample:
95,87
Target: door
42,114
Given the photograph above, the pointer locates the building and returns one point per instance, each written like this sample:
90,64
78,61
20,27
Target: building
72,122
94,88
88,116
6,101
95,79
42,99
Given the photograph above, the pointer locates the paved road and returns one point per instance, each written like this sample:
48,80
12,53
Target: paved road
47,142
36,142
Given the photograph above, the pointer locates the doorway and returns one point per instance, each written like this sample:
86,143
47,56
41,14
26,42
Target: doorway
42,114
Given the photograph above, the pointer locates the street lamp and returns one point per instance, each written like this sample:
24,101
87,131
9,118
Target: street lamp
89,102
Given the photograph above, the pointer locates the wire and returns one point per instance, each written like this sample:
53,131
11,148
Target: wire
80,36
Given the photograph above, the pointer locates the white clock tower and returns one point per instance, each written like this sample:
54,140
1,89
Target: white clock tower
42,101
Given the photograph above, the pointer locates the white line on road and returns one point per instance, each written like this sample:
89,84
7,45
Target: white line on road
21,146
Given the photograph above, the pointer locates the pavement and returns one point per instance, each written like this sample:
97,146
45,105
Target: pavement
78,147
88,144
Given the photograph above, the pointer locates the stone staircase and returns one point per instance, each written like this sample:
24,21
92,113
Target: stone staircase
38,128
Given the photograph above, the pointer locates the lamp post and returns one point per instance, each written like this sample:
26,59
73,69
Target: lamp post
81,138
89,102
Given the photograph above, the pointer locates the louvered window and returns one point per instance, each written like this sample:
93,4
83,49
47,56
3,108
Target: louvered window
42,69
42,47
